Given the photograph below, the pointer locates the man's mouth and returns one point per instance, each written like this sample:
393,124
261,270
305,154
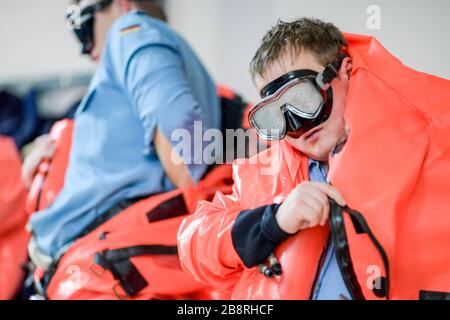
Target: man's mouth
340,145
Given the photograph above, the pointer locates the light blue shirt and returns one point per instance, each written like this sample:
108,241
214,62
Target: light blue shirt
148,78
330,284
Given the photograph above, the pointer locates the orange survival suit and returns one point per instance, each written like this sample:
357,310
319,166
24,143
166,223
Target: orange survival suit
13,237
394,170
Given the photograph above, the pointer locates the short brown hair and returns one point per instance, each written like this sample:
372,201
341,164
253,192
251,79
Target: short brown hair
153,8
324,40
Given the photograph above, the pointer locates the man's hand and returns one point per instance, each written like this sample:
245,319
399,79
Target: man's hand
307,206
43,147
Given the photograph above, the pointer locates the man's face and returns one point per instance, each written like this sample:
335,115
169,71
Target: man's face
318,142
103,21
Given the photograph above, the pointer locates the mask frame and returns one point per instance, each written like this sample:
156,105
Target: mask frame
294,120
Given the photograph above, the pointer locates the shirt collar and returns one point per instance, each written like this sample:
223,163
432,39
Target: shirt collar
318,167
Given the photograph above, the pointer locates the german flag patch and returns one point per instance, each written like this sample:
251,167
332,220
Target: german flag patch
130,29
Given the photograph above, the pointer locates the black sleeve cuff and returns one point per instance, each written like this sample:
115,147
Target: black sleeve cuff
256,234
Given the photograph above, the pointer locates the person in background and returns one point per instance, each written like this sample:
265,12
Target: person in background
148,83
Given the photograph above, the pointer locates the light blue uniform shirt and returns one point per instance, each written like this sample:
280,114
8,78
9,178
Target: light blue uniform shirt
330,284
148,78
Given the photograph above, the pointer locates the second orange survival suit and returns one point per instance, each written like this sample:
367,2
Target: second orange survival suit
13,237
394,170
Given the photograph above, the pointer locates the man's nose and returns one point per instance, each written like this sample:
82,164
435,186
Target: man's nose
293,121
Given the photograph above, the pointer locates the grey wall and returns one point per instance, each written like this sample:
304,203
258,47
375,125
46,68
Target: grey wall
226,33
34,41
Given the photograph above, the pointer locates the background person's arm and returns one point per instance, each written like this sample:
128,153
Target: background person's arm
156,81
172,163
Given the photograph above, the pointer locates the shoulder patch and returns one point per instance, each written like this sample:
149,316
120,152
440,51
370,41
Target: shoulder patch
130,29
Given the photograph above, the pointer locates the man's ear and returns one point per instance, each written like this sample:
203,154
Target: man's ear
124,5
345,71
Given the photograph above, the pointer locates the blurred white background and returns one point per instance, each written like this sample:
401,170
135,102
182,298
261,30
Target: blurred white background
35,43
